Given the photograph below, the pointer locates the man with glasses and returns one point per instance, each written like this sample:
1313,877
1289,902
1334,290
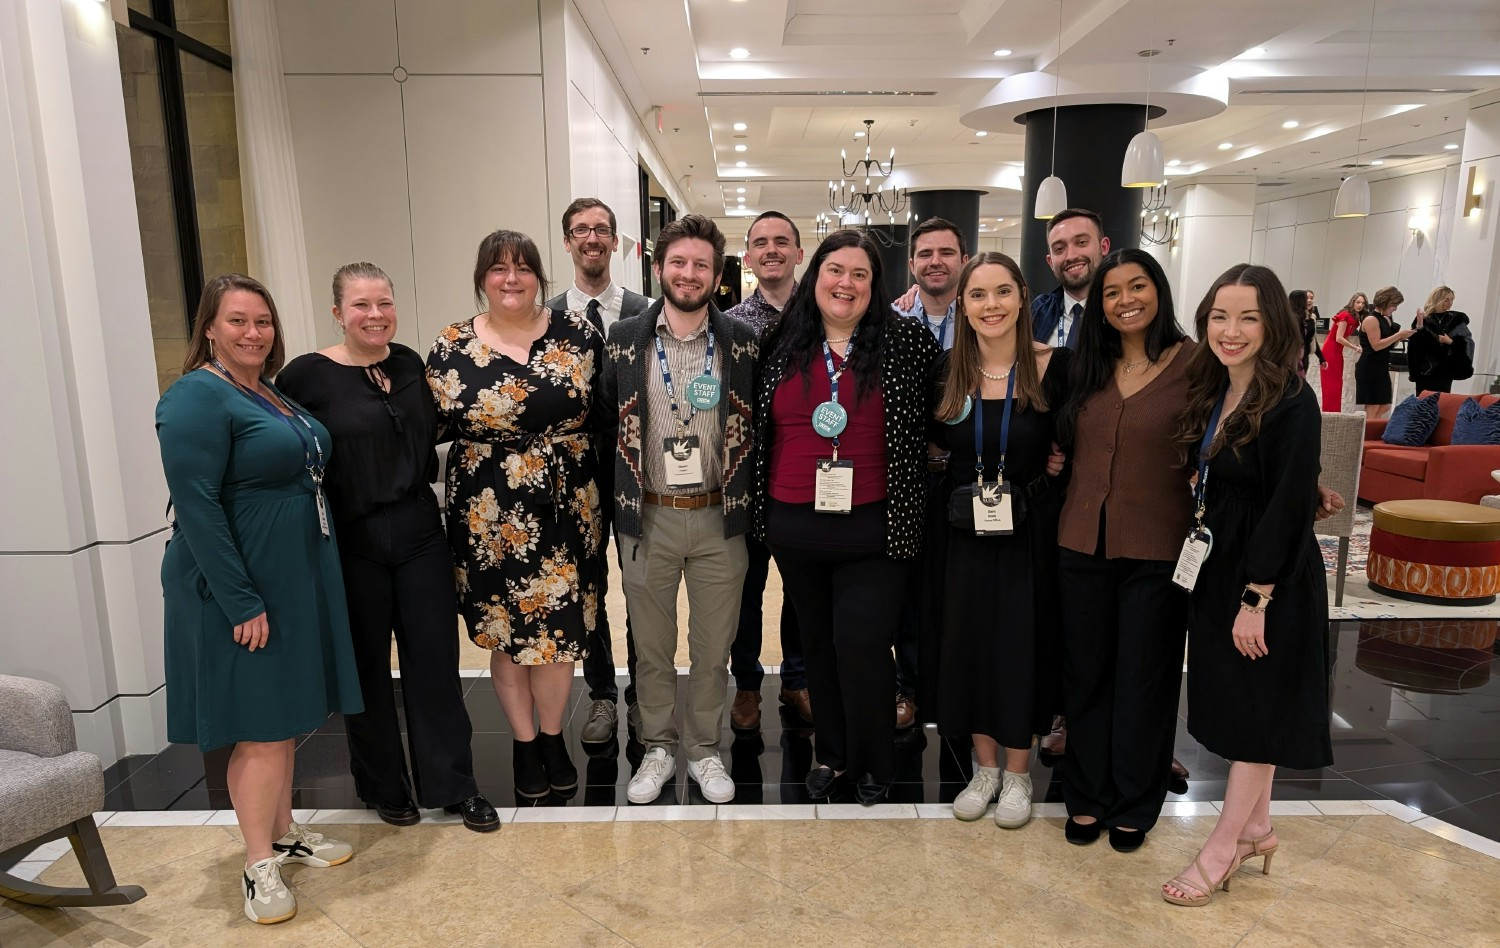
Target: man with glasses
591,238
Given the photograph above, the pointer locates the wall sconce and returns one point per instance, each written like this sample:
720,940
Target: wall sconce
1472,194
1417,226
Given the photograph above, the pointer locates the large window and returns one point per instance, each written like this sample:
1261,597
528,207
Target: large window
179,109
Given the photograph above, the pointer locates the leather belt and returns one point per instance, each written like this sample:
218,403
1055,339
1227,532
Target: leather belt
684,501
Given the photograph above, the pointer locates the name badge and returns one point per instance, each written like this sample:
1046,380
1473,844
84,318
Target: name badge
322,512
683,461
1195,550
992,510
833,487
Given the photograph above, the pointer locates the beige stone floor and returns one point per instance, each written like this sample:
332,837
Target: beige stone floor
470,656
1367,881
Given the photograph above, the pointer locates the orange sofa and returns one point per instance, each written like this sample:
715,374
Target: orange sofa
1437,470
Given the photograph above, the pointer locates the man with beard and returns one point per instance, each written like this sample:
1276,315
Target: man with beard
591,238
1075,247
773,249
676,393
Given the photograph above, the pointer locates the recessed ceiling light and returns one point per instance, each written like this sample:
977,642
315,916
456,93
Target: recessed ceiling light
740,126
740,164
1225,146
739,52
859,134
1002,52
1377,161
741,148
1174,163
1451,146
739,190
740,200
980,134
1000,220
1290,123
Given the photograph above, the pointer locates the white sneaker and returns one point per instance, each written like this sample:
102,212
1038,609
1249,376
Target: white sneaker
301,844
657,767
267,898
976,797
712,780
1014,809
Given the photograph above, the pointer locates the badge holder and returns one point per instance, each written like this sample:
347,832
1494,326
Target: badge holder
1200,539
994,510
682,459
833,480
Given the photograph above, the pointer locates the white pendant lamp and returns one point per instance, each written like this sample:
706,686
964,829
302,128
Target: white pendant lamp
1354,197
1144,166
1051,198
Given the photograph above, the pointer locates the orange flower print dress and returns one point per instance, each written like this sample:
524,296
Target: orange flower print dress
523,503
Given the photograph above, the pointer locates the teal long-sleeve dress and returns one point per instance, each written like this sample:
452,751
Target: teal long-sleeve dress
247,541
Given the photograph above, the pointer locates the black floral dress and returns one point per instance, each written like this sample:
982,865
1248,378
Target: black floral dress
523,502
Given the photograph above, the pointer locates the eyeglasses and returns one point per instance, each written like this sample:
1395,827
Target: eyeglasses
582,231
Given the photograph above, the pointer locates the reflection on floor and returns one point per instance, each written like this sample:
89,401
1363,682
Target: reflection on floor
1337,880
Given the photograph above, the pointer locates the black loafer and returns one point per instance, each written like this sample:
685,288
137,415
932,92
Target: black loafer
821,782
1125,841
1081,834
478,815
401,814
870,791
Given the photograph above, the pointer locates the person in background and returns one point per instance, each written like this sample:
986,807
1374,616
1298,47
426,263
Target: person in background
591,237
371,393
256,635
1377,333
1340,351
514,388
1441,350
1301,301
1076,246
773,250
841,416
1257,680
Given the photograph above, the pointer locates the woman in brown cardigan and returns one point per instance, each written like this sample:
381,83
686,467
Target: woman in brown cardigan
1128,509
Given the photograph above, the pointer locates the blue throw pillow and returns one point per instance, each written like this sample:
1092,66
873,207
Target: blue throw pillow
1475,425
1413,421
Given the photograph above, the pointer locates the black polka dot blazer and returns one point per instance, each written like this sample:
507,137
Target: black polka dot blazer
908,360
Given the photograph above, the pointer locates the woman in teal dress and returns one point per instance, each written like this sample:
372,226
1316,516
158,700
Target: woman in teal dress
257,634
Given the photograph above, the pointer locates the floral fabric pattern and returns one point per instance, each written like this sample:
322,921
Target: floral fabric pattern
524,522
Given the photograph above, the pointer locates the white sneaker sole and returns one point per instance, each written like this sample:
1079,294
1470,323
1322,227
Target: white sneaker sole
971,817
710,797
1012,823
642,796
270,921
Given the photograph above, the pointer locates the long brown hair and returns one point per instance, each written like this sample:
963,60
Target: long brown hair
1275,364
200,348
963,362
1349,306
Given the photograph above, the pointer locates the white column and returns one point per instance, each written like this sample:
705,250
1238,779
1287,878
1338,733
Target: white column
1473,265
81,490
1213,234
268,173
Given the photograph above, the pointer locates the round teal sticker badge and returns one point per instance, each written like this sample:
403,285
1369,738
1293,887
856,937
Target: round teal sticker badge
703,392
968,407
830,419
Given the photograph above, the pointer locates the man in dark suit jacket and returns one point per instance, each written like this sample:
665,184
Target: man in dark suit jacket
591,239
1076,245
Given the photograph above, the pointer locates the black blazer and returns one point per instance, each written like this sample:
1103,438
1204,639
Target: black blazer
631,304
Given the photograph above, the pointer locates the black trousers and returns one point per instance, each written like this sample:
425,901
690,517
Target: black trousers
398,576
744,653
1124,629
848,607
599,663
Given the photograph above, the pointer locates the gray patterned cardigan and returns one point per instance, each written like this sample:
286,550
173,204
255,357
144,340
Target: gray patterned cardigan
628,356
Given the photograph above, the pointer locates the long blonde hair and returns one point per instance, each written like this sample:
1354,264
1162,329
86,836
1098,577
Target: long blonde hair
963,362
1438,294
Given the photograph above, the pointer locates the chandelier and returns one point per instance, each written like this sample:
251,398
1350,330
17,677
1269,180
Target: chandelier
1158,220
877,197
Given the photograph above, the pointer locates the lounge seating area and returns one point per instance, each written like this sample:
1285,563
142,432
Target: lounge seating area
1437,470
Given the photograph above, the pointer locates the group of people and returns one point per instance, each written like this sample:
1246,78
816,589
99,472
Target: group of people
1439,347
936,485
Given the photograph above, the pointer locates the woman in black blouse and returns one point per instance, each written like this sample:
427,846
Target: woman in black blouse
372,395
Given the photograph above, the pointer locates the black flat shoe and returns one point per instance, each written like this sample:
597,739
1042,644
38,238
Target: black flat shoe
478,815
1125,841
870,791
821,782
402,814
1081,834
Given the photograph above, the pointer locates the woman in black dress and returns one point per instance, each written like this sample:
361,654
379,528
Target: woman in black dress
514,386
1258,638
371,393
1441,350
1377,333
1000,595
1302,306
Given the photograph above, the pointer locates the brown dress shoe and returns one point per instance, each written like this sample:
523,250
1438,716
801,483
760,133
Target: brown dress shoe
906,711
1056,742
799,701
1179,772
744,714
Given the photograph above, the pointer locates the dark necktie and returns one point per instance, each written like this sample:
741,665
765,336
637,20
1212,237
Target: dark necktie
594,317
1073,314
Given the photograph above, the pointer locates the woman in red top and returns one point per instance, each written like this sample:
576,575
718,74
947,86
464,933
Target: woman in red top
1343,339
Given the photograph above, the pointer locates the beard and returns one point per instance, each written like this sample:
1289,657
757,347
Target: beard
1080,282
593,267
688,304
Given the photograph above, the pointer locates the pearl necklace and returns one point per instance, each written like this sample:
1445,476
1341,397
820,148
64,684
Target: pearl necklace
996,378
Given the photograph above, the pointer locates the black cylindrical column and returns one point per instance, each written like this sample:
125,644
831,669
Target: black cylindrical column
1091,142
891,241
956,207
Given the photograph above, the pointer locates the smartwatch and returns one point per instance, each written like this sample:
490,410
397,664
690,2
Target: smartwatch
1254,600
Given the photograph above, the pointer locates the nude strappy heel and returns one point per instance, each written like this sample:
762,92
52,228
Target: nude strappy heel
1256,850
1182,883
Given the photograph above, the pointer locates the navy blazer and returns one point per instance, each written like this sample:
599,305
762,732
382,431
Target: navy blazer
1046,310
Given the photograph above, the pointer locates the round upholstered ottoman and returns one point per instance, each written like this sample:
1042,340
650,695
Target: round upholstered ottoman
1435,551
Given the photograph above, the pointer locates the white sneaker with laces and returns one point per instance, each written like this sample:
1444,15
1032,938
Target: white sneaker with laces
657,767
971,803
301,844
712,779
1014,809
267,898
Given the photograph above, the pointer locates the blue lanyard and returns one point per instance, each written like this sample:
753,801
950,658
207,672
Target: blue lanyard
1203,446
1010,391
315,471
942,331
666,377
833,377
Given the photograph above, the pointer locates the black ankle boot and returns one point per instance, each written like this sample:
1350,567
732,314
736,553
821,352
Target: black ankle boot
526,761
561,774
